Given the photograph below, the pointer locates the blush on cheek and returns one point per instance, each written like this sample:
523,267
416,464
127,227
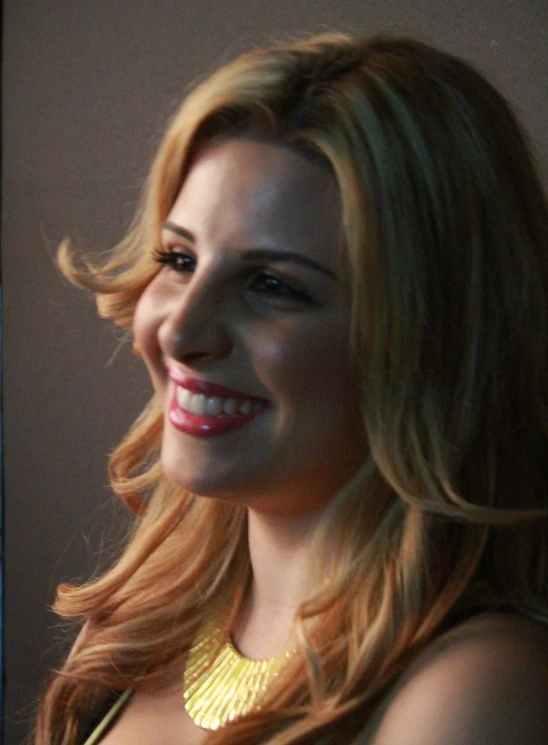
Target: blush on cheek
305,369
271,354
280,364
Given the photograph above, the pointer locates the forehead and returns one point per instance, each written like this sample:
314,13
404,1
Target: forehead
245,189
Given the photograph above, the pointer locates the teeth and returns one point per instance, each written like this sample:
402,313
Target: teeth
183,398
246,406
200,405
214,406
230,406
197,404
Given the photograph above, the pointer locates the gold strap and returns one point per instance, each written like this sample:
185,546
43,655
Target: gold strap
105,723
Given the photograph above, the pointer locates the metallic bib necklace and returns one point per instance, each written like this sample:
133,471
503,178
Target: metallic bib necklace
219,684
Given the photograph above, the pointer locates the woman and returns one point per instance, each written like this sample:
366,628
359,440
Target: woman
338,282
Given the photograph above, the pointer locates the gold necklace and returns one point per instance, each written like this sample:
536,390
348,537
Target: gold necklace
219,684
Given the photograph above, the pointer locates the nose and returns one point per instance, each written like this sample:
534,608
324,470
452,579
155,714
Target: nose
196,324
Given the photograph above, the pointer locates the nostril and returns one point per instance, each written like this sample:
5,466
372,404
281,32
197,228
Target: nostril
194,330
196,345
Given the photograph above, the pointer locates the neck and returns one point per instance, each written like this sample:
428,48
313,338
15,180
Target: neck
279,553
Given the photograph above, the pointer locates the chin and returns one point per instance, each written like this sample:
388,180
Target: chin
204,480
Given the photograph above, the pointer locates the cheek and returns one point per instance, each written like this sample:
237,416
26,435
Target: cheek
146,323
305,366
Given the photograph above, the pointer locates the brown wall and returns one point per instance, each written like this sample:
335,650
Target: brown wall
87,87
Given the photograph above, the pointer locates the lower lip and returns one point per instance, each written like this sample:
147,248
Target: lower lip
207,426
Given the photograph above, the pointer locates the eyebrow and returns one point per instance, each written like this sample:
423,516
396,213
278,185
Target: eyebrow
269,254
179,230
255,254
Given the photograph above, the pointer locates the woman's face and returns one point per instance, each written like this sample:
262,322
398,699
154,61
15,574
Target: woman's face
244,331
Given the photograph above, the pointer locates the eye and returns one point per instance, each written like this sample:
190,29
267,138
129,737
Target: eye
277,288
175,259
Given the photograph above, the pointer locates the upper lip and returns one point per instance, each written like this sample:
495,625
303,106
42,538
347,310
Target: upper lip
205,387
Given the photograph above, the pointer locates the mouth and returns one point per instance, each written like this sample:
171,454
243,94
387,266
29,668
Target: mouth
206,409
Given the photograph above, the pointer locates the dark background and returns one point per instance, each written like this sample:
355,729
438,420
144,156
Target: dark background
87,87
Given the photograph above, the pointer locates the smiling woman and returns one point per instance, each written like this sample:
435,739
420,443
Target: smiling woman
251,303
338,282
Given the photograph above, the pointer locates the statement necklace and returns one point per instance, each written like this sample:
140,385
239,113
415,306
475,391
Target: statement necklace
219,684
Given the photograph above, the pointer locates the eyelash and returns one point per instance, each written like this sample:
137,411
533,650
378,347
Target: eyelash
176,260
278,288
271,284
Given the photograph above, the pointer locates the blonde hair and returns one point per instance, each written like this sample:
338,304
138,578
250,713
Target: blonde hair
445,227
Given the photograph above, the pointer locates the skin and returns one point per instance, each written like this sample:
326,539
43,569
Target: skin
218,317
251,298
485,681
272,329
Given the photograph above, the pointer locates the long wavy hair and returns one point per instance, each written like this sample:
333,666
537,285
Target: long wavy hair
446,262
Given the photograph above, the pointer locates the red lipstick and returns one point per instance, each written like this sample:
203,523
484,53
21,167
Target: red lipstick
206,388
207,424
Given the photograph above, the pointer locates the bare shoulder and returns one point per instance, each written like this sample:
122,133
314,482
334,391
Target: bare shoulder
485,681
156,718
